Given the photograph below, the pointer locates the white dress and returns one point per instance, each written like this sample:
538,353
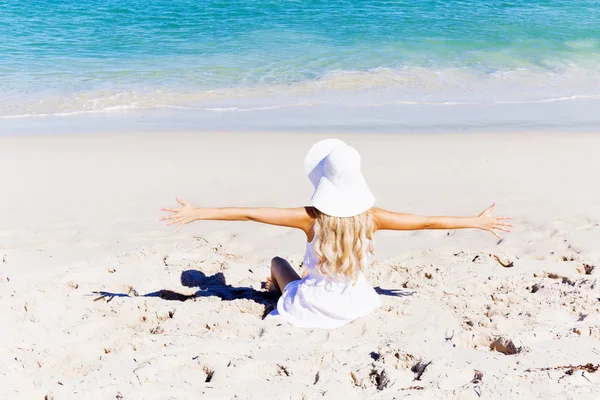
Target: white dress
319,301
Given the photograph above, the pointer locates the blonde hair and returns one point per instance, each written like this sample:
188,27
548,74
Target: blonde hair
343,244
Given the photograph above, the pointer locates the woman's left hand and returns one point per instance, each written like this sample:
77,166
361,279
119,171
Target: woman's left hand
487,222
182,216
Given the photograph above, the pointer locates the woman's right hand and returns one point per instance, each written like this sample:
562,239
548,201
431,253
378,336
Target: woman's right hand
182,216
487,222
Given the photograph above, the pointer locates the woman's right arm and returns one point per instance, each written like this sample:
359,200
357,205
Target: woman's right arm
485,220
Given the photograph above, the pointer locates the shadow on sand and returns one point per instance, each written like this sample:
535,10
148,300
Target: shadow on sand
215,285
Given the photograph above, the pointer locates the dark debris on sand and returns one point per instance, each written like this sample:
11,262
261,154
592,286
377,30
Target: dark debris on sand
419,369
589,367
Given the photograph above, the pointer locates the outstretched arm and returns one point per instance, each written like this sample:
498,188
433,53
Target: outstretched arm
485,220
291,217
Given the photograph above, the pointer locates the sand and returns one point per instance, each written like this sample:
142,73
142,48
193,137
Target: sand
100,301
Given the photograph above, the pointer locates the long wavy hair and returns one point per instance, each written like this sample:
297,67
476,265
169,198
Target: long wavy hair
343,244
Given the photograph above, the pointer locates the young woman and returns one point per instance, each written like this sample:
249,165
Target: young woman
339,228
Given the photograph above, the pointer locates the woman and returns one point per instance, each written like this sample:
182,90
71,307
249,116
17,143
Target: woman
339,228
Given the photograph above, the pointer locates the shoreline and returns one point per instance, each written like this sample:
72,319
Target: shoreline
362,135
567,116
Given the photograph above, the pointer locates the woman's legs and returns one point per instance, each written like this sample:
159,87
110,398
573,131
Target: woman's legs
282,273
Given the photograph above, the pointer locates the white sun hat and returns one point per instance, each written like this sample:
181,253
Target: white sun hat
333,167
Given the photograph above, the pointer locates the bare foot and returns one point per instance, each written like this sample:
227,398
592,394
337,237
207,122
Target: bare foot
270,286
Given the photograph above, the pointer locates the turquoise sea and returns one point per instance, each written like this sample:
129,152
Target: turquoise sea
301,65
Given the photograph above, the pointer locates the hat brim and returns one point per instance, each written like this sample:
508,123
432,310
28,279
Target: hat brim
342,202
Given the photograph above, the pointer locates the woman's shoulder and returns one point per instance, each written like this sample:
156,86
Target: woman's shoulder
378,215
311,213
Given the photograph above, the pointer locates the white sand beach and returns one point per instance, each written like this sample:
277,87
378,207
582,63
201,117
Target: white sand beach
100,301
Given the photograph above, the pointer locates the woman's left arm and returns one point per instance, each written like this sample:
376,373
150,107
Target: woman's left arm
297,217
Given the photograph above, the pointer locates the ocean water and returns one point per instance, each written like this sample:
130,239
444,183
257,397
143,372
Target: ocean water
301,65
